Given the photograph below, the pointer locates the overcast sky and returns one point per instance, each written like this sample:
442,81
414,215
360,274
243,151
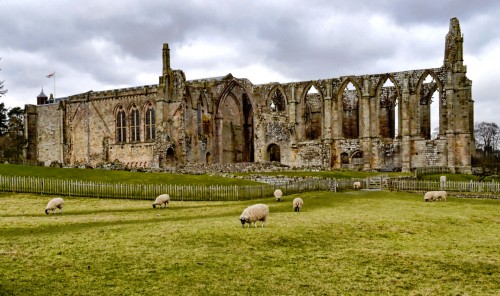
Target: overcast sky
100,45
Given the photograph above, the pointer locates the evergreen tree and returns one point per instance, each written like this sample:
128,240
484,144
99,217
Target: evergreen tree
15,133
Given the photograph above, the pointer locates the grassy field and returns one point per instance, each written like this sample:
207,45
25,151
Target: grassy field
354,242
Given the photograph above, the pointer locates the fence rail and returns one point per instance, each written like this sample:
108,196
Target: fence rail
226,193
150,191
458,186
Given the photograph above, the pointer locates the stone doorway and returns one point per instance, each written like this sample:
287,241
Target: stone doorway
274,153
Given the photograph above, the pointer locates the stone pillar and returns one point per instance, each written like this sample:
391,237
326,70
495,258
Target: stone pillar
365,126
405,126
218,139
336,114
337,126
327,115
292,113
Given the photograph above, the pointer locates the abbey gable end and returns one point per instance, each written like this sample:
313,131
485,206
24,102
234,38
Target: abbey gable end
366,122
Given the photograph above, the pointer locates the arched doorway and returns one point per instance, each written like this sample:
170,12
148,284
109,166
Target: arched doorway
357,158
208,158
274,153
170,157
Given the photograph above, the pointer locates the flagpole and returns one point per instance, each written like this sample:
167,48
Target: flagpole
53,75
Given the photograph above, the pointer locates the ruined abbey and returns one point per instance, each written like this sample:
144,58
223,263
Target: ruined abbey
365,122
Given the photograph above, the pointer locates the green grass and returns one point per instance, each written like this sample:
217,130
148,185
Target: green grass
355,243
108,176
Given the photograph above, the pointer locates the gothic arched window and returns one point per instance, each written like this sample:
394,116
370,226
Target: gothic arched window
150,126
135,127
121,126
277,101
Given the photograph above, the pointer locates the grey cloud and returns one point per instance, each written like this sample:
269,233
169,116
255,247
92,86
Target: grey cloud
298,39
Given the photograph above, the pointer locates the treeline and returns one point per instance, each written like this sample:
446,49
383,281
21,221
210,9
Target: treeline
11,132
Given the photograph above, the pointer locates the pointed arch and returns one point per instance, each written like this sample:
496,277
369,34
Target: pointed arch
149,122
120,124
135,123
276,100
388,104
431,105
311,108
349,95
234,136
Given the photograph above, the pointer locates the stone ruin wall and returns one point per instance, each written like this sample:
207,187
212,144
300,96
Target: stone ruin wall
349,122
190,132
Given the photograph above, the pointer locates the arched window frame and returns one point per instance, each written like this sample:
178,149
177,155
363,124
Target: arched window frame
135,125
150,123
121,125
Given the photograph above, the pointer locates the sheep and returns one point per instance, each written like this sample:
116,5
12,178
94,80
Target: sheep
55,203
356,185
254,213
162,199
435,196
297,204
278,193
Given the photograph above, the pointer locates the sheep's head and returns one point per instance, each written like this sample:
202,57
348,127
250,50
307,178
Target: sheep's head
243,220
46,211
154,206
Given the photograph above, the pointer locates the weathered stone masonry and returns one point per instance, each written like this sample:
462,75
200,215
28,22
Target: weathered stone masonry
368,122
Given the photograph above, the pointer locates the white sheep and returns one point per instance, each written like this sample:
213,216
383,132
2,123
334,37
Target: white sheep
278,193
254,213
55,203
356,185
297,204
435,196
162,199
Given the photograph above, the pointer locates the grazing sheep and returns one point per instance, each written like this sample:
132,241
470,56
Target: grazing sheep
297,204
163,199
252,214
278,193
435,196
356,185
55,203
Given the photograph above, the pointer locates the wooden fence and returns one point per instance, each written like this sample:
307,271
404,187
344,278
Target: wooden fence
431,170
150,191
226,193
458,186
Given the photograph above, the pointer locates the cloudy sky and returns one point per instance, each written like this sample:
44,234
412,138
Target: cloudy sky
100,45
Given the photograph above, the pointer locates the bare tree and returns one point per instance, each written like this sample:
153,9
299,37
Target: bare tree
2,91
487,136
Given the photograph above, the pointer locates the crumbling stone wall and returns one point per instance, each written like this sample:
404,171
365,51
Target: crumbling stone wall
354,122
